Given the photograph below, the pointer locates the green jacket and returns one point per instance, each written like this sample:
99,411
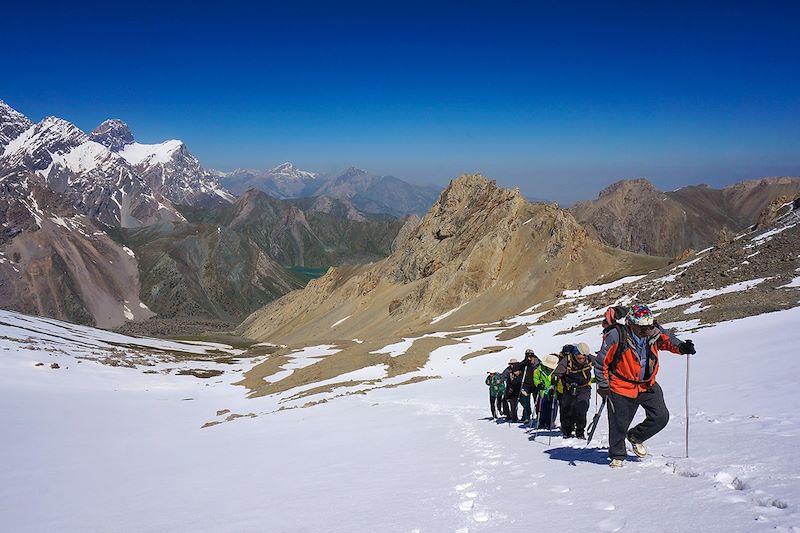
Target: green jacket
497,385
542,378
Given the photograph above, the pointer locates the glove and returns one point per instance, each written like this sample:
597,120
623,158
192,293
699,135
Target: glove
687,347
602,392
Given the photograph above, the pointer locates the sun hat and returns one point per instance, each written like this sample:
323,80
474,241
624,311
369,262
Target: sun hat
550,361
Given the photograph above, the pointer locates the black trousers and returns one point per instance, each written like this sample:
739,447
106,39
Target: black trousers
548,410
510,401
496,403
573,412
621,411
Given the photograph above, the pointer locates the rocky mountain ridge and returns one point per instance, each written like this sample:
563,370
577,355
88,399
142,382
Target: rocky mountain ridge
480,252
636,216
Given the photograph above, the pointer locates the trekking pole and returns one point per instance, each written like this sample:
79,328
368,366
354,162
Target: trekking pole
687,406
552,418
595,420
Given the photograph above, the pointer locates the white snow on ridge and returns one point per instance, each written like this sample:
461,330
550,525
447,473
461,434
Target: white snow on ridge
595,289
706,294
136,153
339,322
447,314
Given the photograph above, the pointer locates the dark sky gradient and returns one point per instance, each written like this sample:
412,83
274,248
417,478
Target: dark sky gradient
557,98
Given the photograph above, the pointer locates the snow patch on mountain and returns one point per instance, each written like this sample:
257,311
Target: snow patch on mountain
137,153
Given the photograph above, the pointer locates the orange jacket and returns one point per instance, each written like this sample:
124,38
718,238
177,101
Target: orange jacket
625,380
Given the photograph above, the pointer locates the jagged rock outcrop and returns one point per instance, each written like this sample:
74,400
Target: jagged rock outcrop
114,134
636,216
777,208
12,124
481,252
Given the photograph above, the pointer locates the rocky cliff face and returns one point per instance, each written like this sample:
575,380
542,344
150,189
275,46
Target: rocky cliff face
636,216
480,253
12,124
55,261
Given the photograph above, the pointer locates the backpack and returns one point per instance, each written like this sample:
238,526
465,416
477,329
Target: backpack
612,315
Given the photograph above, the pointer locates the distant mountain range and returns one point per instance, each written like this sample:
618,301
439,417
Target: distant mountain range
366,191
97,228
635,216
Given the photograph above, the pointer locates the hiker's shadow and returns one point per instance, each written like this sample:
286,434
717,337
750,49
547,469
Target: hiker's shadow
568,454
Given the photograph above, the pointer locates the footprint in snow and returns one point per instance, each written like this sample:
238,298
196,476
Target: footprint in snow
561,489
480,516
463,486
611,524
604,506
466,505
471,494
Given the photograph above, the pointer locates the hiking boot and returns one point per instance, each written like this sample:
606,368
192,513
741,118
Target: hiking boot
615,463
639,449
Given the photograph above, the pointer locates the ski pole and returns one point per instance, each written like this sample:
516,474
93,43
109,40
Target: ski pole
687,406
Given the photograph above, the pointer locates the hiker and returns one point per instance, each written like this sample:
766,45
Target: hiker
548,403
625,369
513,379
565,351
574,373
528,388
497,386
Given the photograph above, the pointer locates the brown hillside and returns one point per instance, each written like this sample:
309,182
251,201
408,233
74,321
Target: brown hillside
636,216
481,249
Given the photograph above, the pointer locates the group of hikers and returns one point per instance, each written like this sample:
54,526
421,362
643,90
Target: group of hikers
624,370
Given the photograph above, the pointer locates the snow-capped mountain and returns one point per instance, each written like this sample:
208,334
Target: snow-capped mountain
12,124
283,181
168,167
98,182
367,192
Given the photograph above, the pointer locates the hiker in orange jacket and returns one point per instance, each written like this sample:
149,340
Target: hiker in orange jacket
627,378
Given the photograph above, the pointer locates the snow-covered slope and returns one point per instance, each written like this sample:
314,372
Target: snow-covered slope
168,167
196,453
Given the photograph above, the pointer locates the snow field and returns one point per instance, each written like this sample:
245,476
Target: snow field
121,450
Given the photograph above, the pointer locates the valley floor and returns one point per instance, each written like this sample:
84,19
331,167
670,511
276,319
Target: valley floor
93,447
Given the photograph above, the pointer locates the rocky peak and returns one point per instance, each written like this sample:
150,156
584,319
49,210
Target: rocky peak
288,171
470,208
114,134
12,124
626,187
776,209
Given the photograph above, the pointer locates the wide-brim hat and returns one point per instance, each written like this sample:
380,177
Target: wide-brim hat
492,371
512,361
583,348
550,361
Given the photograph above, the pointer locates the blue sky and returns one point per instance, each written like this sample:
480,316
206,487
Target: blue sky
557,98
